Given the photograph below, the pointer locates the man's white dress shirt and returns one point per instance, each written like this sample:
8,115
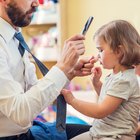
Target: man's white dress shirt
22,96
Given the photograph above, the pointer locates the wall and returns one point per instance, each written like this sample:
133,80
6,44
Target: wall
78,11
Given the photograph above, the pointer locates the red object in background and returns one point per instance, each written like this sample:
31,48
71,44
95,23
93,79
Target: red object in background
41,1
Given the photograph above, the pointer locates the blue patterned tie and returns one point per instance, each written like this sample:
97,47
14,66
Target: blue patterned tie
61,104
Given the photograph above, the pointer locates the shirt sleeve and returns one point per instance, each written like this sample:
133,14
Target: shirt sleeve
21,107
120,88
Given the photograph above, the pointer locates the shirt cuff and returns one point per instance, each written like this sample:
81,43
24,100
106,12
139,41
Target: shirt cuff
58,77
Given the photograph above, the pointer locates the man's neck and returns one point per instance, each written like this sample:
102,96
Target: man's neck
9,21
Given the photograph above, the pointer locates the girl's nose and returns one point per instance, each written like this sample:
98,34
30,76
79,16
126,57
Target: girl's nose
98,56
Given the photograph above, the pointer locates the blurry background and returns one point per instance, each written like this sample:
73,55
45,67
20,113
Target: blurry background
78,11
56,21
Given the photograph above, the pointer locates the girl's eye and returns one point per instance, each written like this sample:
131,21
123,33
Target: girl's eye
100,50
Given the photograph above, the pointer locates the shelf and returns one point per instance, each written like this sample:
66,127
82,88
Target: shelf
42,18
46,16
44,61
41,27
47,54
48,64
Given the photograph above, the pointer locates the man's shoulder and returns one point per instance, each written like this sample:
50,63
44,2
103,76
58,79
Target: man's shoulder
2,41
2,46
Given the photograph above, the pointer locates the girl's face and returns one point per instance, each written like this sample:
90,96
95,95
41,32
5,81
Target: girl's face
106,56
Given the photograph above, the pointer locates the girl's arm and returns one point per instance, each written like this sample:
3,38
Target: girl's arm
98,87
94,110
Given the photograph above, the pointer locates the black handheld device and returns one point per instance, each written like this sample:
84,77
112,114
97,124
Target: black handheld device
86,27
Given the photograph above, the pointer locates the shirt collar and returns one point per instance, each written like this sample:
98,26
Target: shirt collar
6,30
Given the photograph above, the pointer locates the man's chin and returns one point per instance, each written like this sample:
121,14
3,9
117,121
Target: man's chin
25,23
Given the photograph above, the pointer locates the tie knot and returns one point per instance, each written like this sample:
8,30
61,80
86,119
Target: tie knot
19,37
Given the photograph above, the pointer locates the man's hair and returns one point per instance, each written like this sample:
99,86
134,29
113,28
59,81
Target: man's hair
121,36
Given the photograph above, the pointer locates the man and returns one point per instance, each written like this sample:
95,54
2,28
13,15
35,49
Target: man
22,96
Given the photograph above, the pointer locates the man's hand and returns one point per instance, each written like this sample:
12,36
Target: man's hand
73,48
83,67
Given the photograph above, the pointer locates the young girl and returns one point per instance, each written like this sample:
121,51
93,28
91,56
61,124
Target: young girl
137,71
116,113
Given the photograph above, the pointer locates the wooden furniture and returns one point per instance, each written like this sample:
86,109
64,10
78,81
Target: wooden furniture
41,24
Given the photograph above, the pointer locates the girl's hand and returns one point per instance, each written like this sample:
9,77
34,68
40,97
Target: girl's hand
95,78
96,75
69,98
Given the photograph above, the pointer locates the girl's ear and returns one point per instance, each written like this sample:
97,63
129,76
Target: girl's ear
119,51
